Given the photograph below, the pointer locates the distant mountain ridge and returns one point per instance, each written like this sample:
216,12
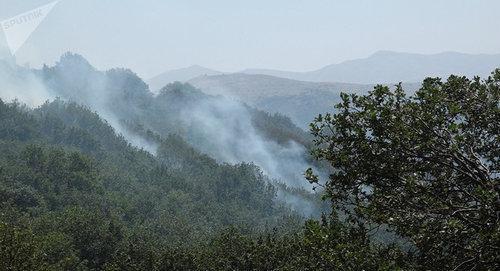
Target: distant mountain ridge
303,95
391,67
181,75
385,67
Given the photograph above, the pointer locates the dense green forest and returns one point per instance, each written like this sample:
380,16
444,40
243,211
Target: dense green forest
79,197
110,176
68,179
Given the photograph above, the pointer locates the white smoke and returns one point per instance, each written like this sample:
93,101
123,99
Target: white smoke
219,126
134,139
222,128
297,203
21,84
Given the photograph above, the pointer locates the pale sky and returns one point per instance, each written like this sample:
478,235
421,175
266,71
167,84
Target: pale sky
151,36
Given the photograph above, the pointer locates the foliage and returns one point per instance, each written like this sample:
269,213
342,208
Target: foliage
427,166
74,195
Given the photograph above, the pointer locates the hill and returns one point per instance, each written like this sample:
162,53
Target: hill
393,67
300,100
79,187
252,87
109,168
181,75
216,126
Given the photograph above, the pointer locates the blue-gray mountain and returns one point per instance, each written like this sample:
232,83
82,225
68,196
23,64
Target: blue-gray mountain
381,67
304,95
391,67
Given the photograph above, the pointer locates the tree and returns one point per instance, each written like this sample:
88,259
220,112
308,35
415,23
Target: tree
18,250
428,166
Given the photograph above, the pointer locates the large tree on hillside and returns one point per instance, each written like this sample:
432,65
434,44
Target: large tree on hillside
428,166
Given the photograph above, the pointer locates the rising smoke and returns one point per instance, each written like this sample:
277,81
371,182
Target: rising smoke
218,126
21,84
223,128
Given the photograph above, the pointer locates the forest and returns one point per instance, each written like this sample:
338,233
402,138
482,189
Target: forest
106,175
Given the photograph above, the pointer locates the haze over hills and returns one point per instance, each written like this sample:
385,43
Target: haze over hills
181,75
206,122
381,67
302,96
302,101
390,67
252,87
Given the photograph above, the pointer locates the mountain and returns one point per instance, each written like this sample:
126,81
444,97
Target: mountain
302,96
391,67
181,75
253,87
302,101
301,108
277,73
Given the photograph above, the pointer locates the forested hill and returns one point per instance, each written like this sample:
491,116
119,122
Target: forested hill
226,130
117,162
121,93
111,177
63,168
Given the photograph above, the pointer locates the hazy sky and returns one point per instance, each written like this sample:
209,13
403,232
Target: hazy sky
150,36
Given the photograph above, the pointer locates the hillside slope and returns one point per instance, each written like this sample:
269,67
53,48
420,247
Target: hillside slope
300,100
